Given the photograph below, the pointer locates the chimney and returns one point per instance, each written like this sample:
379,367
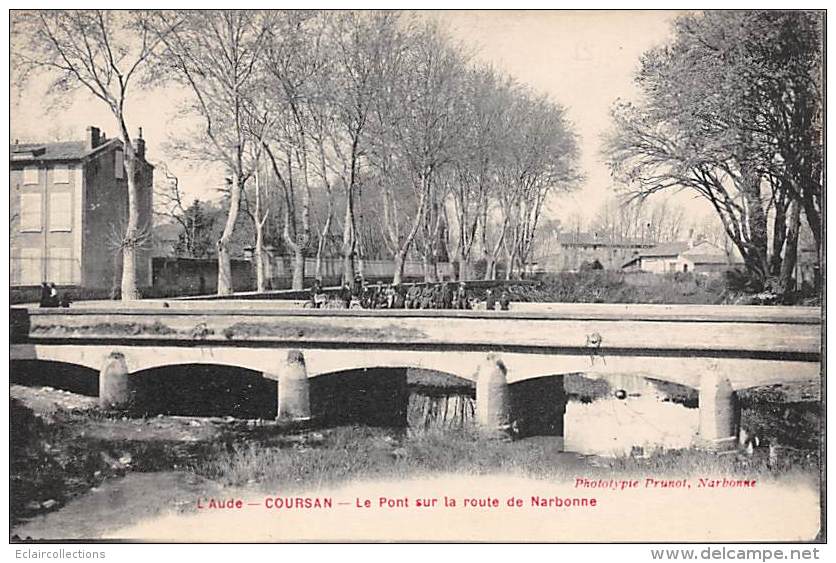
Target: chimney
139,145
92,139
691,238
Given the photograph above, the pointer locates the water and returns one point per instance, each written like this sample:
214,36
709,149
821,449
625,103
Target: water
636,416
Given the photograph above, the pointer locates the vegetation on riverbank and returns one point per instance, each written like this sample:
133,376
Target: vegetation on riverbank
62,446
607,286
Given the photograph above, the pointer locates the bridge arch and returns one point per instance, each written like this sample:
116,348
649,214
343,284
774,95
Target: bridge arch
742,372
203,389
66,376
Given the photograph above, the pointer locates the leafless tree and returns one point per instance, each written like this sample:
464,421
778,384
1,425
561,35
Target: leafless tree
359,42
215,54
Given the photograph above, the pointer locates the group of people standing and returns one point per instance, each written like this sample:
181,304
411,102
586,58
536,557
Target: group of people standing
50,296
444,295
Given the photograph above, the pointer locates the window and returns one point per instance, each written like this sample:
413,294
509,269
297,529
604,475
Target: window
31,266
60,266
61,174
119,161
60,211
30,212
30,175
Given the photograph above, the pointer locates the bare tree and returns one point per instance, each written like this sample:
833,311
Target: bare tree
541,158
294,61
104,53
215,54
358,41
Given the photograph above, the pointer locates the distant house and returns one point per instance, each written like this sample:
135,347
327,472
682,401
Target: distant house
682,256
68,206
572,250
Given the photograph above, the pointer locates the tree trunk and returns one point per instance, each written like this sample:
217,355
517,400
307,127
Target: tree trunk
779,236
224,259
490,268
463,268
129,289
790,248
297,280
756,258
400,259
348,269
400,253
298,268
261,285
320,248
132,237
348,239
299,258
430,273
510,260
323,238
224,268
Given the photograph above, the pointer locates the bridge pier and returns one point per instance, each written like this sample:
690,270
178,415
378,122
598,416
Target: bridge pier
493,412
114,384
719,411
293,397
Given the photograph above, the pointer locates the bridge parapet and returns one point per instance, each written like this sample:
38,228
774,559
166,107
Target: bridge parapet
635,330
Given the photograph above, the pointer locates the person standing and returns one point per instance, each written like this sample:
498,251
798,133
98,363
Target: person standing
446,296
413,297
318,296
504,301
461,297
44,295
54,300
490,300
345,295
399,299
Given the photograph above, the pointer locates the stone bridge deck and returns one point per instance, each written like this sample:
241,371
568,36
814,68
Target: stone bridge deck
546,339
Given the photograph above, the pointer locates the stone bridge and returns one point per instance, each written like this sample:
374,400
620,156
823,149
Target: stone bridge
716,350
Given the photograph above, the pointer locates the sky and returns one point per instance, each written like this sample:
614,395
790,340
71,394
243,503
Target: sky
582,60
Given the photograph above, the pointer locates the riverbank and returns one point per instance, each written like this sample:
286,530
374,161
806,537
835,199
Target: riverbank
65,451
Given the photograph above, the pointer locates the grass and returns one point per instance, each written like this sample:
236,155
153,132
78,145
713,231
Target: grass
350,453
355,452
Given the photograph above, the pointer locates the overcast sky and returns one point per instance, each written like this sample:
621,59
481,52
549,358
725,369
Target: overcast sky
583,60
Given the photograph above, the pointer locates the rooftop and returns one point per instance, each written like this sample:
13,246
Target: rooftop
666,249
59,151
595,239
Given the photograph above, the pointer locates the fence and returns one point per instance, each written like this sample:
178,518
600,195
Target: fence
189,276
192,276
281,269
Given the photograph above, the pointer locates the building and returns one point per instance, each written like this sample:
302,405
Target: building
68,207
682,256
573,249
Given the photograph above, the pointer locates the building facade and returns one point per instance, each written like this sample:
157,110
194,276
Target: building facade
571,250
683,256
68,208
